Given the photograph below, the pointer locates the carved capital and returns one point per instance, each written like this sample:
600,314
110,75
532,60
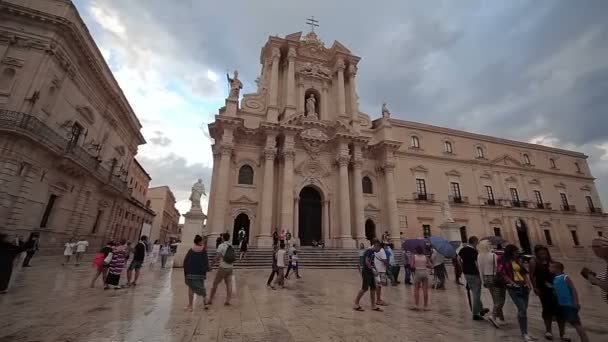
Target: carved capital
342,161
289,155
276,54
340,66
226,150
358,163
389,166
352,70
292,53
269,154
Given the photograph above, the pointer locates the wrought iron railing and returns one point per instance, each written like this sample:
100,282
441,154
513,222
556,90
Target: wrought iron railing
31,126
458,199
418,196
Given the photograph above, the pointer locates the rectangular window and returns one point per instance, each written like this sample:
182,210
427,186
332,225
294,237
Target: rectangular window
463,234
96,224
497,232
490,194
426,230
548,237
564,201
590,203
575,238
415,142
538,196
421,186
47,211
514,195
578,167
456,191
448,147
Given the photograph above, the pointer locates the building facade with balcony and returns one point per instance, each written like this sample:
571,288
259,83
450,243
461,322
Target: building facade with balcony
165,224
68,135
299,155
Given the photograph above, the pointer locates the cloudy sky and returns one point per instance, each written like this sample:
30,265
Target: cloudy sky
528,70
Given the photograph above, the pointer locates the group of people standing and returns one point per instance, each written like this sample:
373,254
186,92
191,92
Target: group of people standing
281,258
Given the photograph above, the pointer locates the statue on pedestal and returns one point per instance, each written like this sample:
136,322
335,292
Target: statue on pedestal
446,212
235,85
198,190
311,104
385,112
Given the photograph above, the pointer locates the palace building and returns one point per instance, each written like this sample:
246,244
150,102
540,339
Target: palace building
299,155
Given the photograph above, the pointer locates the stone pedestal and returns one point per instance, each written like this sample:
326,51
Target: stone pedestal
450,231
232,105
194,224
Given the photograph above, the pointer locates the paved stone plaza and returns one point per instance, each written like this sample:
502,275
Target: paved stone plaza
53,303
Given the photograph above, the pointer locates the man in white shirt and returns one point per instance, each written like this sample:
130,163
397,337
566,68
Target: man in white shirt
81,248
227,256
380,263
281,257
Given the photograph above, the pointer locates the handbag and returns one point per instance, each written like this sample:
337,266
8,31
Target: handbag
108,258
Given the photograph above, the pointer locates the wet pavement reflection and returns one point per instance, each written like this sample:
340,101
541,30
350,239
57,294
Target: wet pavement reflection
49,302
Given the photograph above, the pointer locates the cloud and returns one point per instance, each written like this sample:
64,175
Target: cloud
160,140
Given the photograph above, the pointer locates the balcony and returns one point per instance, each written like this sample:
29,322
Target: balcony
71,157
458,199
490,202
545,206
423,197
517,204
594,210
568,207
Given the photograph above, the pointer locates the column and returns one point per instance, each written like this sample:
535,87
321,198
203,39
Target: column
344,224
354,108
341,94
324,115
221,196
391,199
301,96
265,239
212,188
287,198
326,235
291,82
296,219
358,195
273,108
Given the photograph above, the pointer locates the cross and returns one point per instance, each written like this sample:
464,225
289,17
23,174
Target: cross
312,22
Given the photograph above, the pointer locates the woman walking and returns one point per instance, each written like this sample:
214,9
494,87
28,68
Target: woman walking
488,264
68,251
165,250
421,265
542,280
102,263
196,266
243,248
117,264
275,269
515,276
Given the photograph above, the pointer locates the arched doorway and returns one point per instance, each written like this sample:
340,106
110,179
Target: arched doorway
523,236
242,220
309,216
370,229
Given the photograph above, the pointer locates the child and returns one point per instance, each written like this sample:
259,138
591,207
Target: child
294,264
567,298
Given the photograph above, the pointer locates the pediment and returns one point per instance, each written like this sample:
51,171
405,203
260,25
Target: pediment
546,224
419,168
244,200
534,181
507,160
586,188
294,36
343,127
371,207
339,47
496,221
560,185
486,175
60,186
511,179
453,172
314,134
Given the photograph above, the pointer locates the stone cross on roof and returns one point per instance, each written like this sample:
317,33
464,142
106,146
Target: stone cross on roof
312,22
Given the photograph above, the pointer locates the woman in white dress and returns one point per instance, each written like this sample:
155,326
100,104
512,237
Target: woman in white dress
155,253
68,251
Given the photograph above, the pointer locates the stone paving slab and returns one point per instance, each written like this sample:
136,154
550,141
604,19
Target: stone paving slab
51,303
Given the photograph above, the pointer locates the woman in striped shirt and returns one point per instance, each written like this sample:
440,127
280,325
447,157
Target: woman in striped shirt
600,248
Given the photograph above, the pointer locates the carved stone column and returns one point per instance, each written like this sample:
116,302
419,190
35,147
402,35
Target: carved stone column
296,219
341,93
391,199
221,196
326,229
354,108
358,195
265,238
273,107
344,224
324,115
213,186
290,108
287,197
301,97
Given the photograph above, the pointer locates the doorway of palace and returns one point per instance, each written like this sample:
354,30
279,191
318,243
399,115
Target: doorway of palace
242,220
309,216
370,230
523,236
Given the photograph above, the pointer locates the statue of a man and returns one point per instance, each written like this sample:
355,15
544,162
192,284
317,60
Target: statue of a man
385,112
235,85
311,104
198,189
447,212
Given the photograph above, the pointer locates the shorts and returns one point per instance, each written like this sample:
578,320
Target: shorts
369,282
135,265
570,314
222,273
421,275
383,279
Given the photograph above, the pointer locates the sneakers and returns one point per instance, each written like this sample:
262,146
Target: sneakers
549,336
529,338
484,311
494,322
477,318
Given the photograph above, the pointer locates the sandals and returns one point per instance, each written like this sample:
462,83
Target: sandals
358,308
377,309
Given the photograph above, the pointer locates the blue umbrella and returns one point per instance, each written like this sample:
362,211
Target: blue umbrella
411,244
443,246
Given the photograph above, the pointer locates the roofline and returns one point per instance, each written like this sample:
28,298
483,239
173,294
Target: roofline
142,168
483,137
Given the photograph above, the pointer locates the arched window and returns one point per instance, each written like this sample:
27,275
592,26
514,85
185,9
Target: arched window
448,147
415,142
367,185
552,162
527,159
246,175
7,78
479,152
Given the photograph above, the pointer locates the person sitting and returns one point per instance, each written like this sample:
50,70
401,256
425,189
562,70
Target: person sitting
315,243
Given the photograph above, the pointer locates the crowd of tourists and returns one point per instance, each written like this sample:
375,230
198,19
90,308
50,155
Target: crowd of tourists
500,271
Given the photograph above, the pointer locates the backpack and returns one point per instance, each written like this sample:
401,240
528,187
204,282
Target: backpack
229,256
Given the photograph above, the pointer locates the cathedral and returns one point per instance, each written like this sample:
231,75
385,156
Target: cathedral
299,155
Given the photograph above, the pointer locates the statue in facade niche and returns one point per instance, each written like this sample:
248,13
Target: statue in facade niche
311,105
235,85
385,112
446,211
198,190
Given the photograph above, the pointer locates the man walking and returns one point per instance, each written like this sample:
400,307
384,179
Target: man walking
367,275
31,246
227,256
290,253
138,260
242,235
467,257
81,248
